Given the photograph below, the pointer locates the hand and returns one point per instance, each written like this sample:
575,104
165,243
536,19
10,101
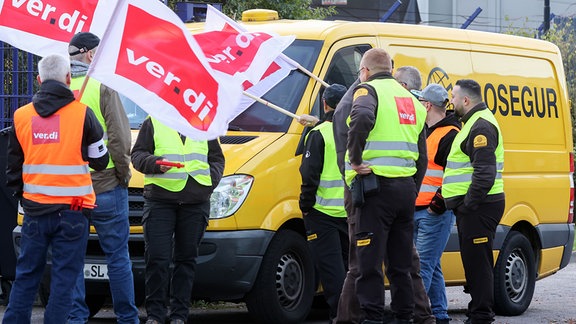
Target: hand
362,169
165,168
308,120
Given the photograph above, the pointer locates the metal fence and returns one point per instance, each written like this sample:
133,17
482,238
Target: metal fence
18,78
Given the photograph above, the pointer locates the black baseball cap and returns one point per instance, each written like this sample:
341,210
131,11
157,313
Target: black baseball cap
84,41
333,94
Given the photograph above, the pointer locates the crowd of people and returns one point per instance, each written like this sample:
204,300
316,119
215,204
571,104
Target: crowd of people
385,174
409,174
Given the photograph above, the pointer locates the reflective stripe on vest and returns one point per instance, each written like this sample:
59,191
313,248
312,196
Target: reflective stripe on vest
91,98
434,173
193,154
458,172
54,171
392,145
330,192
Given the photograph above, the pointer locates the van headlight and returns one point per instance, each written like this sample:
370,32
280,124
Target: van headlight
229,195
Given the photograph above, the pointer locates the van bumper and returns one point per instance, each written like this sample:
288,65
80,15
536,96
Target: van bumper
568,247
227,265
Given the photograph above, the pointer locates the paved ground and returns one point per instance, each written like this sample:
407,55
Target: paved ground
553,303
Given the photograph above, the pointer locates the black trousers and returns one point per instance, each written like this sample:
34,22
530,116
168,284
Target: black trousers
348,306
385,230
172,234
328,242
476,229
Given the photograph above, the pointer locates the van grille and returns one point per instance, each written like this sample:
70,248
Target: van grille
135,206
236,139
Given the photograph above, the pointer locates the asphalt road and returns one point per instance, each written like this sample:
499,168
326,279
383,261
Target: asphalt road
553,302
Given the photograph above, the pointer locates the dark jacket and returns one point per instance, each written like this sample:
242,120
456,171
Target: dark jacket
446,142
363,118
144,160
312,165
483,161
340,126
119,136
52,96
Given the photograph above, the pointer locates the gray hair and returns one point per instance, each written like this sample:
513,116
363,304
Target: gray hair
54,67
410,76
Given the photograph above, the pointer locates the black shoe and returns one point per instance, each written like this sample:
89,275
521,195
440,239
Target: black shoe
442,321
371,322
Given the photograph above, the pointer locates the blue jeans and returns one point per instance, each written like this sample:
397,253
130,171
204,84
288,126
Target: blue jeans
431,233
110,219
67,233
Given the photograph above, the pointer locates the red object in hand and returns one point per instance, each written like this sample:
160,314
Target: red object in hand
168,163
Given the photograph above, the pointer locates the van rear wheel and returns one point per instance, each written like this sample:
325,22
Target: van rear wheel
514,276
284,289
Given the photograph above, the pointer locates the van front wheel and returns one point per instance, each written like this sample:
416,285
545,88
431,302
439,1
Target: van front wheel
284,289
514,276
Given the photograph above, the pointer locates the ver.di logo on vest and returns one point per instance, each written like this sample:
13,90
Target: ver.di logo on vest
45,130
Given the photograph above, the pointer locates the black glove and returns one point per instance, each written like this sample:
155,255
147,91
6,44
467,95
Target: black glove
437,204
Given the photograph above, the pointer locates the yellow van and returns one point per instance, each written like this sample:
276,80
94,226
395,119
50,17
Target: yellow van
255,247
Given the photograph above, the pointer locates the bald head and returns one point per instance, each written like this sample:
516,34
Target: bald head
376,60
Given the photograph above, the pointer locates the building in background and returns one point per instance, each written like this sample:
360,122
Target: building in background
496,15
372,10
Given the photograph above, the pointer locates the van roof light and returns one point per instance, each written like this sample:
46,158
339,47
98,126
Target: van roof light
259,15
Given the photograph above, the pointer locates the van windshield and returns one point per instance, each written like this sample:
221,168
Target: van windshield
259,118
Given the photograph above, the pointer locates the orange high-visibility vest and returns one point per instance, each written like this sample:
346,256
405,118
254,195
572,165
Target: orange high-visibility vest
433,177
54,171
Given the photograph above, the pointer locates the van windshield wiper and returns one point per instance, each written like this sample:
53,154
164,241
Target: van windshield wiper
235,128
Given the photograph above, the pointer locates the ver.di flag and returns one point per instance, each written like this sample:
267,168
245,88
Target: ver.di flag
244,55
149,56
45,27
275,71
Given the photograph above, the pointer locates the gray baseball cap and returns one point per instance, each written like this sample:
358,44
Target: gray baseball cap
436,94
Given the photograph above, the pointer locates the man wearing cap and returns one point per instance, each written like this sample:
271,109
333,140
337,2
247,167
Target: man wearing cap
110,217
322,202
432,222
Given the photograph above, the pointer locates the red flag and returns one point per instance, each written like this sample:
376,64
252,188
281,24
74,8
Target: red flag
45,27
243,55
160,67
274,72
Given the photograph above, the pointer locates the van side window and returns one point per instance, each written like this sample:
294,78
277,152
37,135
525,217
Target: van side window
343,69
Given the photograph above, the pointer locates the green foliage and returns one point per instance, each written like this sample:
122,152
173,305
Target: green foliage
287,9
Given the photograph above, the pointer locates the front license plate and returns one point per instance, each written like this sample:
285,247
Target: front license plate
96,271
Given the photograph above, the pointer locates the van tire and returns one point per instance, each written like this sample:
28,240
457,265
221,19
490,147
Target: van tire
284,289
514,276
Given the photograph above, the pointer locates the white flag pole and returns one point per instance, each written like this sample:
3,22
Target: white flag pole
271,105
301,68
